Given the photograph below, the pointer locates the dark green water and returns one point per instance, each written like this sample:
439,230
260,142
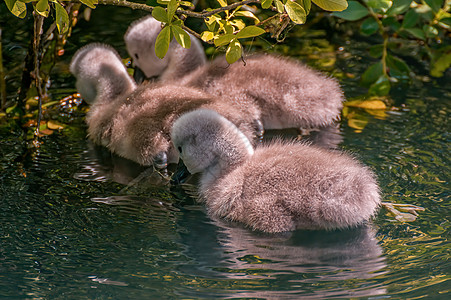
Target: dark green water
69,227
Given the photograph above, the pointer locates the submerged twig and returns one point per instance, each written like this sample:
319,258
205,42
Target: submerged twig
144,174
403,212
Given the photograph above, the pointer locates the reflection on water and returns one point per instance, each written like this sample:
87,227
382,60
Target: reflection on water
101,165
75,223
295,260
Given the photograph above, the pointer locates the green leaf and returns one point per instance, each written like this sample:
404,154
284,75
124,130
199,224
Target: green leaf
90,3
430,31
399,7
369,26
279,6
306,4
446,21
224,39
372,74
376,50
11,108
207,36
233,52
381,87
266,3
186,3
398,68
212,22
172,7
416,32
178,23
17,8
392,22
223,3
354,12
61,18
410,19
162,42
435,5
42,8
238,24
295,12
228,28
332,5
247,14
181,36
160,14
372,103
379,6
441,62
249,31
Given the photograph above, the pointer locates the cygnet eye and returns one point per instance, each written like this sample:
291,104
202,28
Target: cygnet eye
136,55
180,149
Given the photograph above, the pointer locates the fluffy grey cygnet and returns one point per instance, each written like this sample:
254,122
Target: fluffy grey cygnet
142,126
279,92
287,93
140,41
278,187
103,82
132,122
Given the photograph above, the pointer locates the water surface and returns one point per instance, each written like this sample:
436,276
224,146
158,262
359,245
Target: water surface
71,228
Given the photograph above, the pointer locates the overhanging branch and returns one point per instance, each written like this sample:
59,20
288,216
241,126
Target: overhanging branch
187,13
128,4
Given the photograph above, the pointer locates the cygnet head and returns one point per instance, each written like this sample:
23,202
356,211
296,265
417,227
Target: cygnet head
140,41
208,142
100,73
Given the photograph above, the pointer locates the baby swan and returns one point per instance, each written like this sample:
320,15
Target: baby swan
140,40
135,122
278,187
142,127
278,92
103,82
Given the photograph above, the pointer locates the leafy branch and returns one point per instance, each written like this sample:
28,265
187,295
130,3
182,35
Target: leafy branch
422,22
221,28
227,26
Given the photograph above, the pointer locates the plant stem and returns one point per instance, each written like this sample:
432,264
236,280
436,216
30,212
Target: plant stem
2,77
384,54
190,31
205,13
188,13
38,25
128,4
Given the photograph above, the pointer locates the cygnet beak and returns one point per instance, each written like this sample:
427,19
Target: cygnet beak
139,75
180,174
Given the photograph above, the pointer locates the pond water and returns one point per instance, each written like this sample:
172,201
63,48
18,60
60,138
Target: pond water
70,227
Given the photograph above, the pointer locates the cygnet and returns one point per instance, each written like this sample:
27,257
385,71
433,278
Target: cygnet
287,93
277,187
140,41
279,92
103,82
142,126
135,122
